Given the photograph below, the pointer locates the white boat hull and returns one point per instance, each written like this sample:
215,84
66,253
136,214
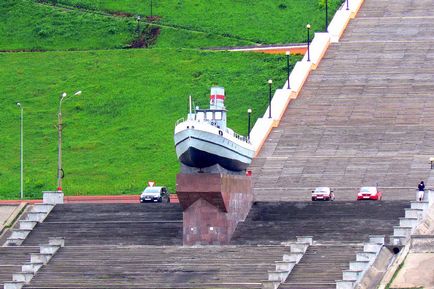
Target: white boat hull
201,148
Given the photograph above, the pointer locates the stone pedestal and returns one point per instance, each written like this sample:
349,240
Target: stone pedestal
53,197
213,205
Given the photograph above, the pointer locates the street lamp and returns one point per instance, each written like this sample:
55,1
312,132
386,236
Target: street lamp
138,26
60,172
21,151
348,7
270,82
326,15
308,41
288,53
249,112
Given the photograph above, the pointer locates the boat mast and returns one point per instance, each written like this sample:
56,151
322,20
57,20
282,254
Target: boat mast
191,115
189,103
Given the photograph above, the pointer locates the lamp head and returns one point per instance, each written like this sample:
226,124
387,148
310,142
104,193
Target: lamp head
288,53
308,26
270,81
64,94
19,104
78,92
138,18
249,110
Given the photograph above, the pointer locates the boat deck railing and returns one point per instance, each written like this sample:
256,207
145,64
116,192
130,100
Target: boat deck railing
226,130
179,121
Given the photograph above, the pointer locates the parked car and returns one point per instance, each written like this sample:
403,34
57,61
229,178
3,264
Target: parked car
369,193
323,194
155,194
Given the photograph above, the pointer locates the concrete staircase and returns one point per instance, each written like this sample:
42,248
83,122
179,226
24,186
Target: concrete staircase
37,261
338,228
361,263
365,115
289,260
321,266
111,224
274,223
11,259
36,214
159,267
413,217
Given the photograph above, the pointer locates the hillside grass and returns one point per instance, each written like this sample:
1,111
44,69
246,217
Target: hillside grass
268,22
119,133
26,25
32,25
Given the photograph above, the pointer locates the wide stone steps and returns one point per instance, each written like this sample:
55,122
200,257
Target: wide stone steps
11,259
110,224
274,223
365,116
321,266
149,285
372,8
159,267
115,212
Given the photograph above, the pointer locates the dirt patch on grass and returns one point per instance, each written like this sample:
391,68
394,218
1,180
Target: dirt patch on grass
148,37
121,14
154,18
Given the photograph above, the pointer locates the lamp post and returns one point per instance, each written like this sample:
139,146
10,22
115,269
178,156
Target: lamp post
21,151
288,53
270,82
308,41
60,173
348,7
249,112
151,8
326,15
138,26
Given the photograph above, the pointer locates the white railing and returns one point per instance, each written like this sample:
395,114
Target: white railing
227,131
179,121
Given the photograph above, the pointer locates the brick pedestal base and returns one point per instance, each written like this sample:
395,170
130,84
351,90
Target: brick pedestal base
213,205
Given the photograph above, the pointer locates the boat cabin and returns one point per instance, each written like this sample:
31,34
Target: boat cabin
216,113
216,117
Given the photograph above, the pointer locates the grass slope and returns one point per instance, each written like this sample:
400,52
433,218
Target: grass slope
272,21
25,25
119,132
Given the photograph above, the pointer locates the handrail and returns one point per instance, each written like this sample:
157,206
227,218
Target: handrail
226,130
179,121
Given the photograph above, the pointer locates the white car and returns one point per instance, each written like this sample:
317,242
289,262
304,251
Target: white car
155,194
323,194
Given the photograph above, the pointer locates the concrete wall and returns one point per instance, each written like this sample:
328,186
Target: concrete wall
426,227
417,272
376,271
8,214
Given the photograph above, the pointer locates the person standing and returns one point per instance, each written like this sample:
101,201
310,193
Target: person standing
421,188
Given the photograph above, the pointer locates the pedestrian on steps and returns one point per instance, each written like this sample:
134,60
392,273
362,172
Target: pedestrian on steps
421,188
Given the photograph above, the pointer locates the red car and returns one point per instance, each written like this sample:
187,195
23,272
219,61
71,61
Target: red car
369,193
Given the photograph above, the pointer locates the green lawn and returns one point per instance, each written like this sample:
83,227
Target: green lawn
25,25
32,26
119,132
272,21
